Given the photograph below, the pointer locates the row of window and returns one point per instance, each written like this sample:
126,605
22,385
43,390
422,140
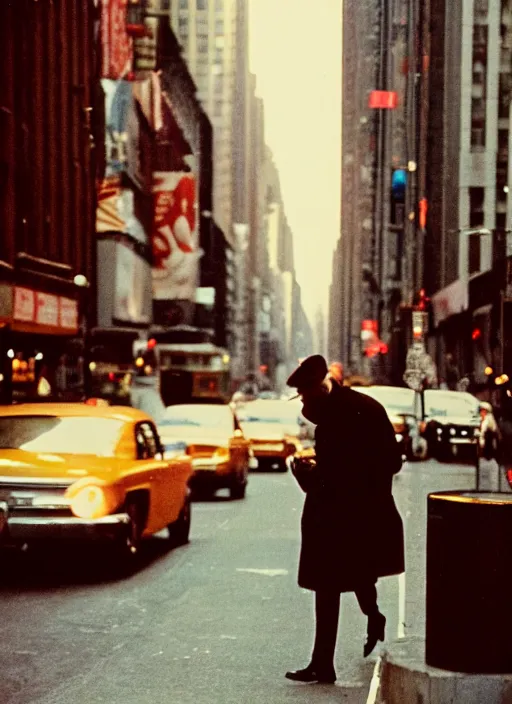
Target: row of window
201,4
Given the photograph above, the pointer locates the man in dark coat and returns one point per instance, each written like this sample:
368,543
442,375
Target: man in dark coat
352,533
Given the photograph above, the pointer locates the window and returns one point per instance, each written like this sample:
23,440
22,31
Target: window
481,8
183,24
476,206
183,4
501,221
147,443
202,44
474,254
201,4
73,435
218,85
479,89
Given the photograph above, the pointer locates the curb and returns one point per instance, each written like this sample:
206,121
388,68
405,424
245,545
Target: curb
403,677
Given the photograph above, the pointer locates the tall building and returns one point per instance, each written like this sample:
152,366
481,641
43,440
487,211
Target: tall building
470,207
376,264
207,32
358,239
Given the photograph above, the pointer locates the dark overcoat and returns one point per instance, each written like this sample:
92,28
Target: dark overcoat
351,529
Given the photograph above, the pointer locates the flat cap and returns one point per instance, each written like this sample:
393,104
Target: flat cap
311,371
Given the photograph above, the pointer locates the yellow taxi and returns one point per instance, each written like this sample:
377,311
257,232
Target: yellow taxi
211,435
274,427
77,471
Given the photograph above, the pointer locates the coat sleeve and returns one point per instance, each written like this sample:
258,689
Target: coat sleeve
385,446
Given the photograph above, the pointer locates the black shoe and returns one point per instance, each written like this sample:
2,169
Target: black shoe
312,674
376,628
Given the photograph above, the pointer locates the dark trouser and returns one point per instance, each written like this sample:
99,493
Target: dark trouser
327,610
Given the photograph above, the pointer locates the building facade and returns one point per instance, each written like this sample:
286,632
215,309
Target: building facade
51,143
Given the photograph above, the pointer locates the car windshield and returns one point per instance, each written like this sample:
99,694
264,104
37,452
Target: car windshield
72,435
269,412
445,404
198,416
395,400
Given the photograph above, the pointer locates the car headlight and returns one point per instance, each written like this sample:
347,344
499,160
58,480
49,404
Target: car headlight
399,437
452,431
439,431
89,498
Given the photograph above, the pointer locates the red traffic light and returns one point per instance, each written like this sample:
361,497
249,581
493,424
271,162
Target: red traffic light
476,334
151,343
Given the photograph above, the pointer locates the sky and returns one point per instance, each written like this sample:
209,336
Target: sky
295,52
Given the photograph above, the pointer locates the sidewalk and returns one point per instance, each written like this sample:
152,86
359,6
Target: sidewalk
404,678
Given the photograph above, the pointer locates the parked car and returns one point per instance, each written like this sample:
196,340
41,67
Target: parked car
399,403
76,471
452,424
274,428
211,435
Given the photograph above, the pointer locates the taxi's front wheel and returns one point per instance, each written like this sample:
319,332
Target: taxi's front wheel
128,546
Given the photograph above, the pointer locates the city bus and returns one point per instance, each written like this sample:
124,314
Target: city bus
184,373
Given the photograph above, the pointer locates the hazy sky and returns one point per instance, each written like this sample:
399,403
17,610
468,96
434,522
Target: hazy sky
295,50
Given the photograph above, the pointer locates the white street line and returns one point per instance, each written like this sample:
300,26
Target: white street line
401,606
265,572
375,683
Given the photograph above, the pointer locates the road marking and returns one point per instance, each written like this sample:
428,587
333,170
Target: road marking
401,606
375,683
266,572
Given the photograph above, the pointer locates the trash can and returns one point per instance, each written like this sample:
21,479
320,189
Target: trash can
469,582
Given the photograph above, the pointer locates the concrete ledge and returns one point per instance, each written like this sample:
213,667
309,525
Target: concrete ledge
406,679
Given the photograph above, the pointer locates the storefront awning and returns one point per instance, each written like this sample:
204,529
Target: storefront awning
451,300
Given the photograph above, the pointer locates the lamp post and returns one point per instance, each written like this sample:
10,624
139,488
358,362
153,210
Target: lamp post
82,283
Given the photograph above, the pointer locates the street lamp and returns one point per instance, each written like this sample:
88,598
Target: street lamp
82,283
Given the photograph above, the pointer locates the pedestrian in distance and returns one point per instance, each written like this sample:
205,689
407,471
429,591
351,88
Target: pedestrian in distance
352,533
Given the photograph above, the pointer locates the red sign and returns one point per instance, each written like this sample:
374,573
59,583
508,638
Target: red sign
68,313
175,236
24,304
116,45
47,309
387,99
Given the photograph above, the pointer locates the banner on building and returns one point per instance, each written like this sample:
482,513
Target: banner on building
126,279
116,45
175,239
122,130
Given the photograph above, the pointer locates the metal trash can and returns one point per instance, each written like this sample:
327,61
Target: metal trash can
469,582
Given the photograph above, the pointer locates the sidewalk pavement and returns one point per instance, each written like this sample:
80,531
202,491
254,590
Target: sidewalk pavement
404,678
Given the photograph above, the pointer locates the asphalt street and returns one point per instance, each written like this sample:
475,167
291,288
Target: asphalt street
217,621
